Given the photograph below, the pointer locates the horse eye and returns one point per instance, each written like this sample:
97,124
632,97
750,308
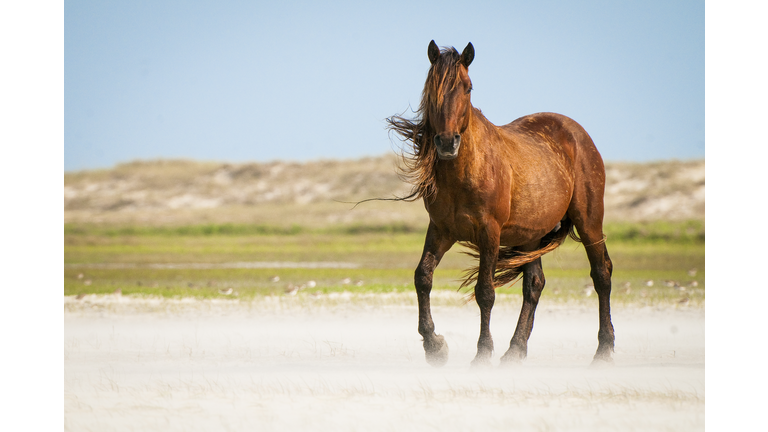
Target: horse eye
469,90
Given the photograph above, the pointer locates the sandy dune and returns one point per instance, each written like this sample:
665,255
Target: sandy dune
299,364
311,193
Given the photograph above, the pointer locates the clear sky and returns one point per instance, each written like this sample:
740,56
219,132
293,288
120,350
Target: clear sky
258,81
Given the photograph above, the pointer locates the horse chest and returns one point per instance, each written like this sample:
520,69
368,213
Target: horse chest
461,214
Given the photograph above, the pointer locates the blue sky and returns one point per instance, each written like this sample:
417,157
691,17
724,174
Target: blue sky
258,81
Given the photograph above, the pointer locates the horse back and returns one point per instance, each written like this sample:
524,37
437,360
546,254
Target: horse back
551,132
553,159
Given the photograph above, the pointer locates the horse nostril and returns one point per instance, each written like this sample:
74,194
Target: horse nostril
437,140
456,137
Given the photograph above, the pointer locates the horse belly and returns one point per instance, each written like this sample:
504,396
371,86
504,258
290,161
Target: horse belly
535,211
515,235
464,225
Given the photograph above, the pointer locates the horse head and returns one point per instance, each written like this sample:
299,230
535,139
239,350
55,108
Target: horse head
448,91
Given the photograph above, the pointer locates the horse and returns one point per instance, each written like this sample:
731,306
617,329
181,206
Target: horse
510,193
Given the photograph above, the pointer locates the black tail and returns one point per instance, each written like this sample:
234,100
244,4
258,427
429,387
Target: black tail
510,262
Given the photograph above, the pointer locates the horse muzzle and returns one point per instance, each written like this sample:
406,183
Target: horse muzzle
447,146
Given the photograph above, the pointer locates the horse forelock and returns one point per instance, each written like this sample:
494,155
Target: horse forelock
443,76
418,162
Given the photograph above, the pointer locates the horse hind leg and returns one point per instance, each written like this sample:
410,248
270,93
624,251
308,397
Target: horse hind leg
601,277
601,270
533,285
586,211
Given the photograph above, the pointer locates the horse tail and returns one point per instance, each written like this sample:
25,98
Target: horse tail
509,264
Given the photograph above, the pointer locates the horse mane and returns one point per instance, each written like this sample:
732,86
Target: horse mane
418,157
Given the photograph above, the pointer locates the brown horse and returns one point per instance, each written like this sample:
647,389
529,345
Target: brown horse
511,193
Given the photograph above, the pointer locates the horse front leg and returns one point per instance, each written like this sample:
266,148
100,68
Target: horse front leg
485,292
435,246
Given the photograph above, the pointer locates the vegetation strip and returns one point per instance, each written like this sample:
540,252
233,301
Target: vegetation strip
687,232
226,265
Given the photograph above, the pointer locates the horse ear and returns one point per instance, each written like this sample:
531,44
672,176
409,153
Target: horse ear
433,52
468,55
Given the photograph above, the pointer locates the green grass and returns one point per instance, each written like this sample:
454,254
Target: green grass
687,232
641,232
100,260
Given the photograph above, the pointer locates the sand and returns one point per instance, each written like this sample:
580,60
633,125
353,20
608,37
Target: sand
342,364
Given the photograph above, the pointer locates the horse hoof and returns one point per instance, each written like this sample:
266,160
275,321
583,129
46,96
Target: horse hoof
513,356
436,351
603,358
481,363
602,363
510,362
